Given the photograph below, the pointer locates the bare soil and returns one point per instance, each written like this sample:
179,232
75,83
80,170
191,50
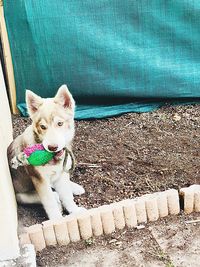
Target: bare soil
130,155
168,242
116,242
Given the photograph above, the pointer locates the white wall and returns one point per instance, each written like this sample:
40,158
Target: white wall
9,248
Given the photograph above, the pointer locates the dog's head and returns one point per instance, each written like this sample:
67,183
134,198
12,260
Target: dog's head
53,118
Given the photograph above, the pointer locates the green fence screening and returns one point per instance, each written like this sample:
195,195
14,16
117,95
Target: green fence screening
115,56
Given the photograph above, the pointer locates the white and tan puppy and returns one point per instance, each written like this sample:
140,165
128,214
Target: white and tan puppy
53,126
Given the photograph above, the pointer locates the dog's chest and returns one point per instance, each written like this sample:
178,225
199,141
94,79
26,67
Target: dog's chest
53,172
50,172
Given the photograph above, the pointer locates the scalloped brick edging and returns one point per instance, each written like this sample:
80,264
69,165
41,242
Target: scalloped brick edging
191,198
108,218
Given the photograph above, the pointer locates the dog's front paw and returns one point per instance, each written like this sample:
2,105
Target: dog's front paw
19,160
14,163
77,189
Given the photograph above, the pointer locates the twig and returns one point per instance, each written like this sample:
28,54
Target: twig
147,182
122,129
90,165
128,124
193,221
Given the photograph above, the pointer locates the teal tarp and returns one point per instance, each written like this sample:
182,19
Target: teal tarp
115,56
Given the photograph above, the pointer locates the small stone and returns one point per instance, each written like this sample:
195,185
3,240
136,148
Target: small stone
112,241
141,226
176,117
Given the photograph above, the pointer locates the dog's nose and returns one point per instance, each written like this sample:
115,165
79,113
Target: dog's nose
52,148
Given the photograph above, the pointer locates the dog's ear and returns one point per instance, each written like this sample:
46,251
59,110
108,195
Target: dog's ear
33,102
64,98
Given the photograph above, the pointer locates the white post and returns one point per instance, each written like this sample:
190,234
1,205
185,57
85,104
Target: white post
9,245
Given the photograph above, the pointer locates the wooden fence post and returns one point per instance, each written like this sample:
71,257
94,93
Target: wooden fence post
8,61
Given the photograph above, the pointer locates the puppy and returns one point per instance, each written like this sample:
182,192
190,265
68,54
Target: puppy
53,126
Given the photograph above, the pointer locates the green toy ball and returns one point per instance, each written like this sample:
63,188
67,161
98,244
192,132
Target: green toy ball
36,155
40,157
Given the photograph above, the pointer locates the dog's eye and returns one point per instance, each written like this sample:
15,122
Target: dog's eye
60,123
43,127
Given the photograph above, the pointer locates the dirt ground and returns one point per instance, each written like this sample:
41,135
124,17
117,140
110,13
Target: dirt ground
130,155
124,157
110,245
169,242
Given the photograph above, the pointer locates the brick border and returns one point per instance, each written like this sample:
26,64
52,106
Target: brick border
108,218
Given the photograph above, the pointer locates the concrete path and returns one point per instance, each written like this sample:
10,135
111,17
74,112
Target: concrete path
103,257
180,241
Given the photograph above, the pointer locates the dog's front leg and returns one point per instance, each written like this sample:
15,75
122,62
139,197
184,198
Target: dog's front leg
64,190
47,197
